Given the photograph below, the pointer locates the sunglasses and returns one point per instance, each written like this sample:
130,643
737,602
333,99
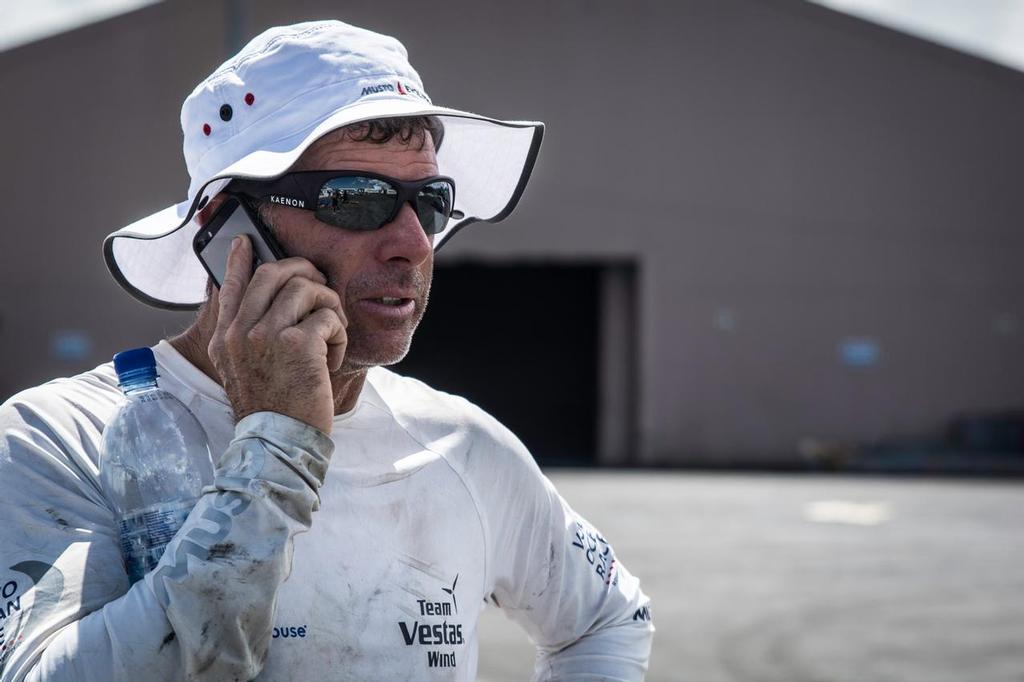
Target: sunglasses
357,200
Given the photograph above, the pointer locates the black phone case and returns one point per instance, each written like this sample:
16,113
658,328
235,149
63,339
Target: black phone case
213,240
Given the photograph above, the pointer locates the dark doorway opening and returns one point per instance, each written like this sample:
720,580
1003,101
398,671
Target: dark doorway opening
522,342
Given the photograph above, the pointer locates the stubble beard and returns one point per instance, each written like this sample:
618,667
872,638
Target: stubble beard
384,345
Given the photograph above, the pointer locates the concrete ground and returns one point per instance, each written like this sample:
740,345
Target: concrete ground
794,578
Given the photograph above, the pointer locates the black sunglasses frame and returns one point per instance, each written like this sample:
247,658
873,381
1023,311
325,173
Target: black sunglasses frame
301,189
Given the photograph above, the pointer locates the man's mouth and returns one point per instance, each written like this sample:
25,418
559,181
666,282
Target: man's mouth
391,307
387,300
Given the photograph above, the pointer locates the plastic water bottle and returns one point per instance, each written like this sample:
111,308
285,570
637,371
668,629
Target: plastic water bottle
154,463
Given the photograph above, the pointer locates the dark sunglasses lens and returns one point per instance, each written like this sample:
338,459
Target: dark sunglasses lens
434,205
355,203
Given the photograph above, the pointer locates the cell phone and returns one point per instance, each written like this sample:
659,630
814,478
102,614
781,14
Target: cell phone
213,240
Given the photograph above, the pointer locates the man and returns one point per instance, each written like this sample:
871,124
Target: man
427,507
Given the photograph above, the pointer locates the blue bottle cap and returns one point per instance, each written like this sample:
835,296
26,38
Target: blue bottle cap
135,366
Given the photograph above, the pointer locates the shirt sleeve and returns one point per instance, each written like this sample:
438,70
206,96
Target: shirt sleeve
559,578
204,613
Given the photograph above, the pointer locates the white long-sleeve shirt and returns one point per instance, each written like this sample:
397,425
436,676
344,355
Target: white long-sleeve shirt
427,510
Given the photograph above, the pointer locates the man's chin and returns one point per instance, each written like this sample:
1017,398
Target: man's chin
382,355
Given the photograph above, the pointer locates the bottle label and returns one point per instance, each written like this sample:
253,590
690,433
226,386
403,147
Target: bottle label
145,533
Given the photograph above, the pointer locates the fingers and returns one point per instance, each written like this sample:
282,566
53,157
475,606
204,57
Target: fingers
280,332
265,284
294,301
282,302
323,326
236,280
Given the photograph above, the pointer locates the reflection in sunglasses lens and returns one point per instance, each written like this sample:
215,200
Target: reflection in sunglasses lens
355,203
433,206
363,203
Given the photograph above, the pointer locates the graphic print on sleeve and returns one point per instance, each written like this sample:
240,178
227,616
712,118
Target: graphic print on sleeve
42,585
596,550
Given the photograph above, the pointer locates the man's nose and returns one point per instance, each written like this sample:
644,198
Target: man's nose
404,238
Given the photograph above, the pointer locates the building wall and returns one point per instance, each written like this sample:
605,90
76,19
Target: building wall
783,177
90,142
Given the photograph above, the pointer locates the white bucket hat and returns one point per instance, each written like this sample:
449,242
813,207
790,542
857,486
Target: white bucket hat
255,115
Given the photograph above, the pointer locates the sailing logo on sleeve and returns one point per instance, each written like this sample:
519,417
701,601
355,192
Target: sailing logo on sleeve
44,587
598,552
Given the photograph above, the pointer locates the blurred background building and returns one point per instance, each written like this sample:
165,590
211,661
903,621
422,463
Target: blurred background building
760,232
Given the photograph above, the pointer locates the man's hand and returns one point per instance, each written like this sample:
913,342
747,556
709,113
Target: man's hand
279,332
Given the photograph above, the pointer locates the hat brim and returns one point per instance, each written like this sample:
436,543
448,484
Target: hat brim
490,160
